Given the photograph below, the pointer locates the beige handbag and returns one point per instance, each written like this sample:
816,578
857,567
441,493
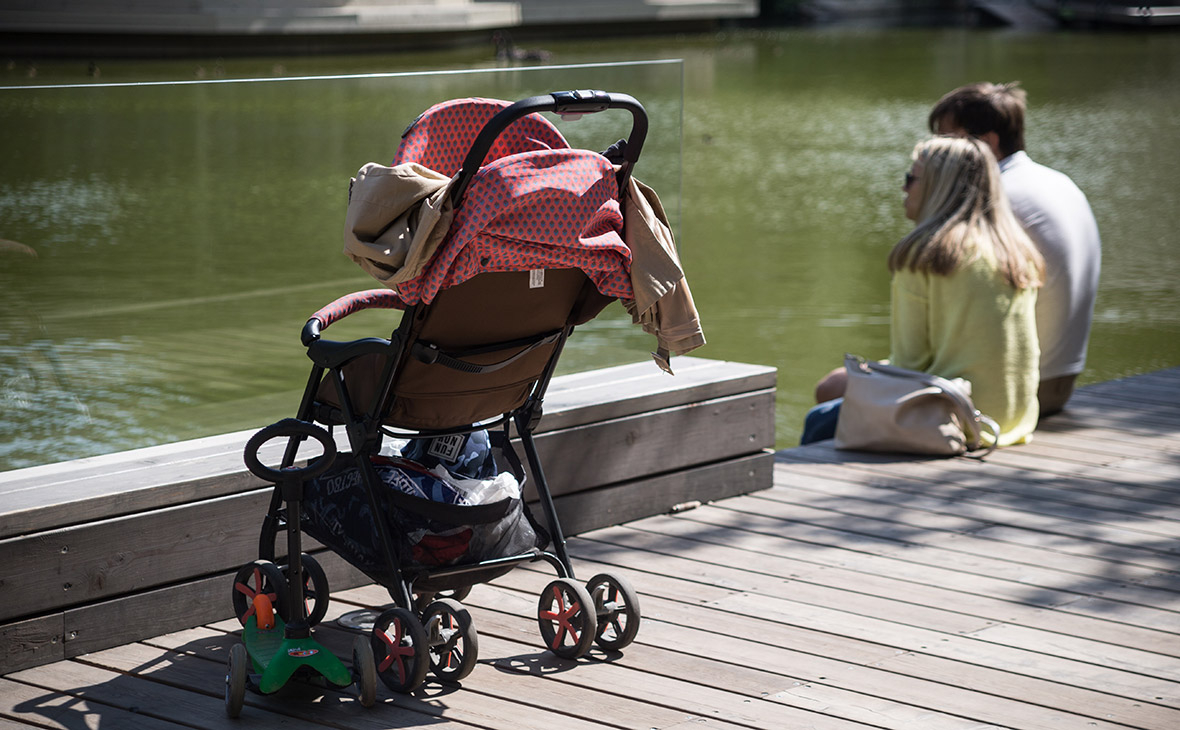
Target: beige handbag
891,409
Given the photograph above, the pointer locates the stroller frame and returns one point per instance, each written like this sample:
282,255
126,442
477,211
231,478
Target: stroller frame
431,630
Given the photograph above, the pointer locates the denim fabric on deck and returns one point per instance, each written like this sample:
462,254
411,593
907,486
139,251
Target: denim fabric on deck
820,422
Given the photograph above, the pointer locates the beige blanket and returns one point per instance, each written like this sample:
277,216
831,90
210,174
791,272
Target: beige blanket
397,217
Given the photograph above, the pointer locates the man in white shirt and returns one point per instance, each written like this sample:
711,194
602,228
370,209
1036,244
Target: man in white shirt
1057,217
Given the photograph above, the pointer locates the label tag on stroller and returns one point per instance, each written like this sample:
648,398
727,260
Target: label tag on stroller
536,278
446,448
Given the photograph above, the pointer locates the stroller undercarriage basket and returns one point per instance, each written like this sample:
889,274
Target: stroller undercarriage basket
432,523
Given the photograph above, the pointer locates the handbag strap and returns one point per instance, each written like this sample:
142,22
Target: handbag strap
973,420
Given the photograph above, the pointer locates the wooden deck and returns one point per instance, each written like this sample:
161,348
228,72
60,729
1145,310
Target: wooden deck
1039,589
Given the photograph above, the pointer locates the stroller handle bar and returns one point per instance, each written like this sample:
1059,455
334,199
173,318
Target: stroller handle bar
346,305
291,428
567,104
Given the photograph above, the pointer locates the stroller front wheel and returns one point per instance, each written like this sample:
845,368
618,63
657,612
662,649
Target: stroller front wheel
566,617
400,650
617,606
454,642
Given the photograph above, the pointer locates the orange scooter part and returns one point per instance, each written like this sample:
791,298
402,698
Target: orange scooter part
264,612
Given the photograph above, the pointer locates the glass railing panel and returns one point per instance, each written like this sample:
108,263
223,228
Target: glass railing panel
163,243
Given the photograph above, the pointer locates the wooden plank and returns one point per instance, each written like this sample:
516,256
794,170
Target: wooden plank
697,703
997,485
529,700
1103,442
907,623
132,694
1120,537
109,558
134,617
62,711
57,495
654,577
803,578
605,506
101,625
653,443
1157,392
973,472
678,619
31,642
1129,563
634,680
1083,448
971,554
626,390
1114,412
1066,592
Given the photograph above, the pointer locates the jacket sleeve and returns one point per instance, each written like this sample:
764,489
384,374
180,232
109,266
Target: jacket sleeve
663,304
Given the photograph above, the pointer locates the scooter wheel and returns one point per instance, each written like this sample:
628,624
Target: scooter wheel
235,680
364,671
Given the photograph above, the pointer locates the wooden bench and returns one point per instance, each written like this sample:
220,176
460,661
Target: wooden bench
102,551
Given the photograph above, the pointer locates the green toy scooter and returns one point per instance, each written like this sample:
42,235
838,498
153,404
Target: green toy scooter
275,649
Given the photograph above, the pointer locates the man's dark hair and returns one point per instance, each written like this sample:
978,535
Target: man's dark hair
982,108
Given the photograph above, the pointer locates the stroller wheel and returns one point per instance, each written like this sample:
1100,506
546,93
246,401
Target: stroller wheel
617,607
400,650
315,590
567,619
422,600
235,680
453,641
259,577
458,594
364,671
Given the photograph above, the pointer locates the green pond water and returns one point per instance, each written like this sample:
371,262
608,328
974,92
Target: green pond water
169,226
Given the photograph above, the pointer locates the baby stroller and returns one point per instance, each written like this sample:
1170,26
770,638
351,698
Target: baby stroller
528,249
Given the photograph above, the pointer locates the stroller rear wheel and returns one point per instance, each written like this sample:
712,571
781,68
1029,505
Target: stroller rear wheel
400,650
259,577
567,618
315,589
453,641
617,607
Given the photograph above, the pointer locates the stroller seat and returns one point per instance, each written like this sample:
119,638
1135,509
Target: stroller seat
473,353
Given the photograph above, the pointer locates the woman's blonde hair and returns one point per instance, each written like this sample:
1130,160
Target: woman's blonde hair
964,214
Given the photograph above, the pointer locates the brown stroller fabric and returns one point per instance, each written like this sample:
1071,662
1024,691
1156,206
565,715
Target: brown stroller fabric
460,323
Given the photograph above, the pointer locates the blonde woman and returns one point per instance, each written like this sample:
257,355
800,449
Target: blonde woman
964,290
